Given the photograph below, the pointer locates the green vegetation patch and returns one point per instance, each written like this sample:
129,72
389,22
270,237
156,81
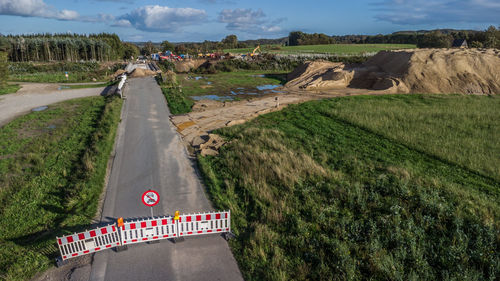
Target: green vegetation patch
52,169
55,72
9,89
223,83
336,49
85,86
314,195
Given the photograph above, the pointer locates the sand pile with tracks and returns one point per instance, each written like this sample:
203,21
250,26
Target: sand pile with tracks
141,72
467,71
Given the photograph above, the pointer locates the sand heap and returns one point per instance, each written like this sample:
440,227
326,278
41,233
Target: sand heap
141,72
467,71
188,65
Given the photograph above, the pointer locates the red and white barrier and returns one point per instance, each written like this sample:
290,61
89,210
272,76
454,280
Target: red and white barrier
88,242
204,223
143,230
148,230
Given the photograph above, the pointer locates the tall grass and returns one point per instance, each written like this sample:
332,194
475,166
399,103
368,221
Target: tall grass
52,168
316,197
460,129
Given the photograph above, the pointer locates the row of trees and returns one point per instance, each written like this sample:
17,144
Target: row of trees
68,47
489,38
4,71
229,42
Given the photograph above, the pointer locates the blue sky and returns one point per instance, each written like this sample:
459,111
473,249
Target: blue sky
198,20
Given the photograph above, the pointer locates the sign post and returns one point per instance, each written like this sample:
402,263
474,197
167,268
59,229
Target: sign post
150,198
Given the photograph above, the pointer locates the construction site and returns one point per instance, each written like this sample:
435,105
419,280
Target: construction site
218,142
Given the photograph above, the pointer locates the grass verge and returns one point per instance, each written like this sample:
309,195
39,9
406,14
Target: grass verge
85,86
52,169
316,196
9,89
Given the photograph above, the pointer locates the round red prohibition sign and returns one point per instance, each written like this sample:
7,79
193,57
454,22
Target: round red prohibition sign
150,198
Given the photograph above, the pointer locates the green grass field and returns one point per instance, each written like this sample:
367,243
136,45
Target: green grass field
45,77
336,49
357,188
223,82
52,169
179,95
9,89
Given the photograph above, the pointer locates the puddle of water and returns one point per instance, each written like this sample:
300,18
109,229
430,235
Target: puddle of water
199,77
63,87
51,127
267,87
212,97
259,76
209,83
41,108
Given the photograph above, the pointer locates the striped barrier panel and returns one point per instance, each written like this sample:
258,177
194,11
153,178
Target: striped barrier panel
204,223
88,242
148,230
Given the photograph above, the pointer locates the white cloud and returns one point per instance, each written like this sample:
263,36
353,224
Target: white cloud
122,23
162,19
438,11
35,8
248,20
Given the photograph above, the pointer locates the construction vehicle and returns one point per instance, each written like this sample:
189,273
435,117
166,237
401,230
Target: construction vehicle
255,50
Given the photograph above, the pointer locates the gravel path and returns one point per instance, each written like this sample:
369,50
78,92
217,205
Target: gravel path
34,95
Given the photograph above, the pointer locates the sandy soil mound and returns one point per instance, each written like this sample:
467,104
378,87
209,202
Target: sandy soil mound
119,72
188,65
467,71
141,72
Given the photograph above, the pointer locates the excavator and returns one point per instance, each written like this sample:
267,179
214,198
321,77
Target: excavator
255,50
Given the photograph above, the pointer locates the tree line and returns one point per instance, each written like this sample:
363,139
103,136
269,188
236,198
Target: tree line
489,38
4,71
68,47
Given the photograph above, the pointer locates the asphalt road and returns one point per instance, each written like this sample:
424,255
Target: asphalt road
34,95
150,154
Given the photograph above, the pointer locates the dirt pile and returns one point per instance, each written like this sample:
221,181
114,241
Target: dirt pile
467,71
188,65
119,72
141,72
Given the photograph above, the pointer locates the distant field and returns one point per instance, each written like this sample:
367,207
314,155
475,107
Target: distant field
364,188
338,49
52,168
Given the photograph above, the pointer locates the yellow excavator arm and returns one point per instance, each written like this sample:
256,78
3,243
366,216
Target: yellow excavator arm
255,50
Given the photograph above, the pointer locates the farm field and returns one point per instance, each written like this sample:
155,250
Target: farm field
334,49
358,188
52,168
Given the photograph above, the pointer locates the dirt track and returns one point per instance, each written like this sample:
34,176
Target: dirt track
210,115
33,95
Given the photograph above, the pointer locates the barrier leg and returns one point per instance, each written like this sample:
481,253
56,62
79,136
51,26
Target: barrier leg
121,248
60,262
228,235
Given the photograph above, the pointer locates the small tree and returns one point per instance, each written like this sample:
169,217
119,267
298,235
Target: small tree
492,37
149,48
130,50
167,46
230,42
